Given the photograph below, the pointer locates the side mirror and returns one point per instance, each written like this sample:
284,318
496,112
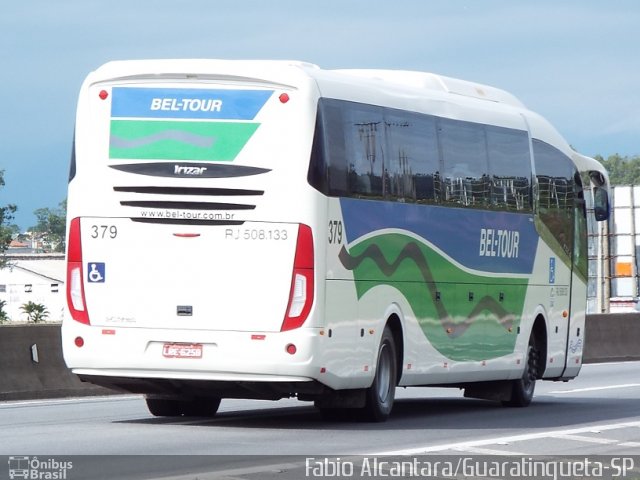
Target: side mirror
600,204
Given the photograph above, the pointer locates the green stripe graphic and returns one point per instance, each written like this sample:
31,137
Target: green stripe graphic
171,140
460,326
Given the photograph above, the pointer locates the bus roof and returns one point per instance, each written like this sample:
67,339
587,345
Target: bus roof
260,68
411,90
432,81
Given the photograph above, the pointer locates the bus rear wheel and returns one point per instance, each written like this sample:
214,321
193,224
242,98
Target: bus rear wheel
380,396
523,388
175,407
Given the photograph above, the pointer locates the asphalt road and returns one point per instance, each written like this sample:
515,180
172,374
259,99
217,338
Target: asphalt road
598,413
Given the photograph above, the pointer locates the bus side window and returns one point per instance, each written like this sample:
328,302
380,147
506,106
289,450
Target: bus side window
510,167
556,192
365,150
328,166
466,171
413,157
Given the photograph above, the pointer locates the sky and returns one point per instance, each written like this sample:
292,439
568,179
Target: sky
576,62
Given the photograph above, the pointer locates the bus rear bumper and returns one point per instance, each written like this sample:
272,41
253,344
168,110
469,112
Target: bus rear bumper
163,358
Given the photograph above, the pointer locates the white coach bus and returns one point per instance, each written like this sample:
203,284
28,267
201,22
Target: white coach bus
268,229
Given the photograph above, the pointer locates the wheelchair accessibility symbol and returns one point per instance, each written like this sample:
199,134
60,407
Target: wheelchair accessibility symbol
95,272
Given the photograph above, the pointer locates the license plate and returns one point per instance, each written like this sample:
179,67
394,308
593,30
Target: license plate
182,350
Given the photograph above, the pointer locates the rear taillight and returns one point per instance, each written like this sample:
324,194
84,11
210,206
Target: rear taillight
301,293
75,287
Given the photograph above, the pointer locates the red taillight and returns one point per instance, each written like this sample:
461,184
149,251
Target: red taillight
75,287
301,293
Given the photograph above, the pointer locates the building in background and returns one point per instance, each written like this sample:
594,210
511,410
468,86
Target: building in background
619,270
614,248
38,278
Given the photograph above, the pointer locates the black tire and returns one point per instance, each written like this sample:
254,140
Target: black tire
200,407
175,407
163,407
381,394
523,388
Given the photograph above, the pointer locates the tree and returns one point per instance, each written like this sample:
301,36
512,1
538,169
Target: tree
6,214
51,227
4,318
36,312
622,170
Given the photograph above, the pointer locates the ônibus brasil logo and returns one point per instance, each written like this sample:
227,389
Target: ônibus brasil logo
38,469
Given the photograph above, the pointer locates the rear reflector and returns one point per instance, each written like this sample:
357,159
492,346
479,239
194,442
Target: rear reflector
299,297
301,293
75,287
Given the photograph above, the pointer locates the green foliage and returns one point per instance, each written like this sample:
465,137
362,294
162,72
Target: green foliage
36,312
51,226
4,318
6,232
622,170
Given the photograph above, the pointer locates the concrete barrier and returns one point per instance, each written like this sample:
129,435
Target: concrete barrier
612,337
31,363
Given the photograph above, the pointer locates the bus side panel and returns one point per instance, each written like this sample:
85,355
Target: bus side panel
575,344
354,324
548,297
346,351
460,323
560,296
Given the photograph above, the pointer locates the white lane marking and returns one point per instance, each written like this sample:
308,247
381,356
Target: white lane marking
488,451
604,364
594,389
237,472
582,438
62,401
629,444
514,438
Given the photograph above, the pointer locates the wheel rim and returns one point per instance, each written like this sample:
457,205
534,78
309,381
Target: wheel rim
383,375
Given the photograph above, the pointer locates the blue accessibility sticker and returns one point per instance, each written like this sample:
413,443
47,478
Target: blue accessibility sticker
96,272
